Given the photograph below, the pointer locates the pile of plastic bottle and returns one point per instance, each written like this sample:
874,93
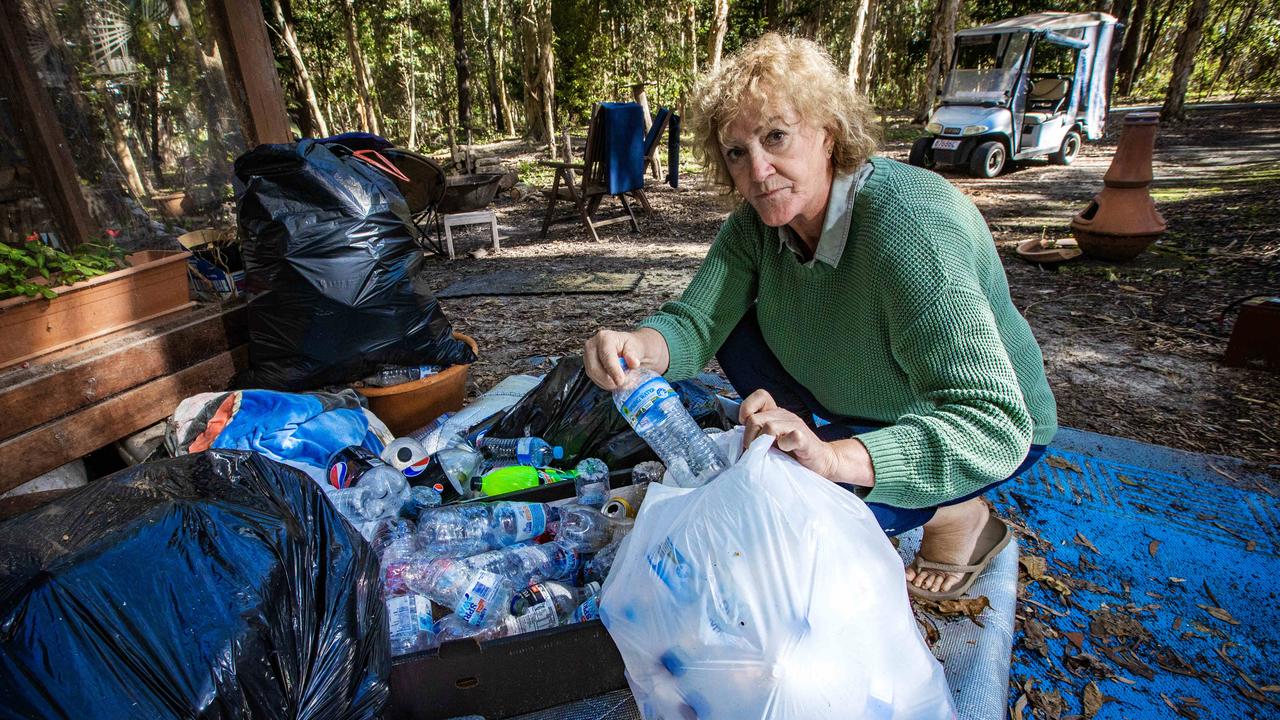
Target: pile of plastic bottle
494,569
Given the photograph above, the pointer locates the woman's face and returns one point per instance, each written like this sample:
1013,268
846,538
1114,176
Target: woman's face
781,164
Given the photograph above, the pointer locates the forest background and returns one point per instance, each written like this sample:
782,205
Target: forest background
148,108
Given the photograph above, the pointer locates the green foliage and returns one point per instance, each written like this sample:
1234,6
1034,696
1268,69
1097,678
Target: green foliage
33,268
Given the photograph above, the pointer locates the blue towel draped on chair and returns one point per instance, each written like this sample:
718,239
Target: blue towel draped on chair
624,141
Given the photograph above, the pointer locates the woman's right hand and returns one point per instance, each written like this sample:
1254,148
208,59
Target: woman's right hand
642,348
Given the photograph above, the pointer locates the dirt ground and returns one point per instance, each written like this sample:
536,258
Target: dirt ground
1132,349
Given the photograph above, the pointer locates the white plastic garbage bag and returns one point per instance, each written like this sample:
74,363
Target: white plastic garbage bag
767,593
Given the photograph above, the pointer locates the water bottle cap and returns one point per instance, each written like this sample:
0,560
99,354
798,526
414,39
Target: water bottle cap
557,452
623,362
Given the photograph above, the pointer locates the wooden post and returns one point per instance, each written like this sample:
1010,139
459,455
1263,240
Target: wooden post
637,92
250,64
46,147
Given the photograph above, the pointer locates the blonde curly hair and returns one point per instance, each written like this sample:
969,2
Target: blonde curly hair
777,72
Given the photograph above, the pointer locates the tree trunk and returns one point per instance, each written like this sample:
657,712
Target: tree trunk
715,36
284,20
461,66
860,12
1152,36
1184,62
539,69
219,130
1129,51
499,121
133,179
500,64
870,49
365,103
691,27
940,47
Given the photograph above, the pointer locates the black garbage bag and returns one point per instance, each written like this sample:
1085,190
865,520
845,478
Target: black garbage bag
331,272
213,585
569,410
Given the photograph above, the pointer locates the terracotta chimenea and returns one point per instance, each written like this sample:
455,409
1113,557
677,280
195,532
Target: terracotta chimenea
1122,219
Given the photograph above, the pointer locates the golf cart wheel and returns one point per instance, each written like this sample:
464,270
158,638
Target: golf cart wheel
988,160
1070,148
921,153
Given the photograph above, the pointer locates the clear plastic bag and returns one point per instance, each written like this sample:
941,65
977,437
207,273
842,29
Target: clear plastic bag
770,592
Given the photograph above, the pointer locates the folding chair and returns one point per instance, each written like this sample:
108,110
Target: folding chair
613,164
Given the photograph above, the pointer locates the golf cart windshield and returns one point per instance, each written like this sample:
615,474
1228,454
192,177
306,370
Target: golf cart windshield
986,68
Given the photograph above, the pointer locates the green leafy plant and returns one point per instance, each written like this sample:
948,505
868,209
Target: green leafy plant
33,269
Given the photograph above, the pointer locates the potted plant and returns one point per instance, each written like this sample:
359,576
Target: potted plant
50,299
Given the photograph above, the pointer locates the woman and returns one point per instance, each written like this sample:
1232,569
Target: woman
859,306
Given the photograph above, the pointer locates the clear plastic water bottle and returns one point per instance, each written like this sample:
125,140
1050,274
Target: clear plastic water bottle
454,531
477,597
550,603
421,498
517,522
588,610
409,618
395,542
653,408
523,451
451,627
597,568
389,375
583,528
380,493
550,561
647,472
592,483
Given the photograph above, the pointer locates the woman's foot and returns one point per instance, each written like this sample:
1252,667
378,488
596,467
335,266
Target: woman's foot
950,537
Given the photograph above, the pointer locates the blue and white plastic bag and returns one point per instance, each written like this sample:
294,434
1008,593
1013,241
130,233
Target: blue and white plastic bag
772,593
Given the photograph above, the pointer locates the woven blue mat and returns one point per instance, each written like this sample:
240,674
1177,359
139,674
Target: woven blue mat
1173,610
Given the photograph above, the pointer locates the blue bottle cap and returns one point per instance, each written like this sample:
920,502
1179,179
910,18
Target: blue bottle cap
623,362
557,452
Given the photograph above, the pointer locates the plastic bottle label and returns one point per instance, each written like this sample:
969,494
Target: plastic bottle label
588,610
408,616
531,521
645,398
670,565
538,616
478,599
524,451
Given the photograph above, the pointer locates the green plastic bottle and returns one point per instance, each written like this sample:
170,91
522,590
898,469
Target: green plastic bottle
520,477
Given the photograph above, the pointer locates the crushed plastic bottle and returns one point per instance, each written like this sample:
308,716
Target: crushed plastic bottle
396,542
454,531
389,375
522,451
421,497
592,483
654,410
548,604
525,564
517,522
647,472
409,619
597,568
588,610
583,528
477,597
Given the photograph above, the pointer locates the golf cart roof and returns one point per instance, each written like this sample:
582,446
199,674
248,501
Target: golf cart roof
1037,22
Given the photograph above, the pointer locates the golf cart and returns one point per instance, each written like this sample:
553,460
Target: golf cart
1021,88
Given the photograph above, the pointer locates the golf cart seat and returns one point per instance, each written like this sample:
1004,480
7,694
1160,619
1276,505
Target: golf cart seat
1048,97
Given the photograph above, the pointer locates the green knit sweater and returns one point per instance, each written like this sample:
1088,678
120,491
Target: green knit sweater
913,327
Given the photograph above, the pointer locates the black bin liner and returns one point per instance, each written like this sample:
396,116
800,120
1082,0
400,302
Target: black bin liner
569,410
213,585
331,272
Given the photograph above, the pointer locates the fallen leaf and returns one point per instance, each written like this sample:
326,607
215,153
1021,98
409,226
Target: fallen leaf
1075,638
1091,700
1061,463
1034,565
1249,546
1177,580
1170,660
969,607
1019,707
1084,541
1127,481
1082,663
1033,637
1177,622
1219,613
1126,659
1152,547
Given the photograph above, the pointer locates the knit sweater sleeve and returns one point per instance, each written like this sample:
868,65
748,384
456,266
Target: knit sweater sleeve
976,427
721,291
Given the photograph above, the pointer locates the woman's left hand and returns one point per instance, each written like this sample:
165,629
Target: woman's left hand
760,415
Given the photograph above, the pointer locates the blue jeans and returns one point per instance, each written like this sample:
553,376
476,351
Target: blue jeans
749,365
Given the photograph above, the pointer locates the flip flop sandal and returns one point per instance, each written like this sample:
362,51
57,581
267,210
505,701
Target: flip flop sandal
994,536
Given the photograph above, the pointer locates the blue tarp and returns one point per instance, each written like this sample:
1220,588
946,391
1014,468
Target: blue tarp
623,127
1175,611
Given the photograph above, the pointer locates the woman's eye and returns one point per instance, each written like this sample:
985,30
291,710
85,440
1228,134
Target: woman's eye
733,154
775,136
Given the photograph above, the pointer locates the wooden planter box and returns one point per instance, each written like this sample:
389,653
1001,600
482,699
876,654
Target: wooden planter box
155,284
410,406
